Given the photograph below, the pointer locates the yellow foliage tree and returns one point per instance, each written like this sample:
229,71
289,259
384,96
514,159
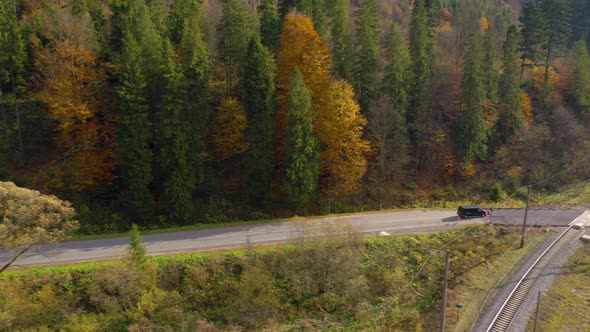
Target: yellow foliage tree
340,129
303,48
71,83
229,126
527,107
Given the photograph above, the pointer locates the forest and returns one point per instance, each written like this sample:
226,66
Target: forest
175,112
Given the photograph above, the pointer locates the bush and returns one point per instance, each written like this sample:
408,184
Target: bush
497,193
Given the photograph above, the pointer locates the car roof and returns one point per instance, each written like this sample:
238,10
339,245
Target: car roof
469,207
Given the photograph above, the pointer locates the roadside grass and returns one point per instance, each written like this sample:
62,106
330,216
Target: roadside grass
566,306
573,195
478,286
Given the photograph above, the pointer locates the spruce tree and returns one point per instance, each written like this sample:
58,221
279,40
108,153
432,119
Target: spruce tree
490,72
195,90
558,16
181,12
177,172
341,39
510,122
301,144
471,132
421,51
134,153
581,86
13,57
397,75
236,28
367,56
534,35
260,99
270,24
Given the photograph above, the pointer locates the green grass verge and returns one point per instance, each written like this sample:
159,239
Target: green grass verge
476,288
566,306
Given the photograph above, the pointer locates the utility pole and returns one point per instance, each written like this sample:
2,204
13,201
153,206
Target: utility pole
444,299
526,210
537,312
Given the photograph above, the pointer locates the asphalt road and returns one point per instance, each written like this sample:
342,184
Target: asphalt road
242,236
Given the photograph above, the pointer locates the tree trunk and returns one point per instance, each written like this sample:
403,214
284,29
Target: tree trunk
18,126
4,122
547,64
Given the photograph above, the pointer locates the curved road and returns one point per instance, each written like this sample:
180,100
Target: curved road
241,236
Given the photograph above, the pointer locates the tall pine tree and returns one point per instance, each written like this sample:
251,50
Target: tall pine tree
471,132
367,56
260,96
490,72
510,122
301,145
12,60
270,24
534,35
581,86
558,16
397,76
134,153
177,172
195,91
341,39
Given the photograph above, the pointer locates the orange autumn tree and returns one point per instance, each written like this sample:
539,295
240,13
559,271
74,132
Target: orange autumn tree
340,128
229,128
71,84
338,122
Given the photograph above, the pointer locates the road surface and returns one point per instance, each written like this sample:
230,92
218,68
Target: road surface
241,236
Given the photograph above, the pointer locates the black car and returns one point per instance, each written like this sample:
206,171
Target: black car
471,211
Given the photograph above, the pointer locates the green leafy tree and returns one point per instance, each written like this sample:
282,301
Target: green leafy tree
471,131
581,86
236,28
270,24
134,154
341,39
397,76
301,144
177,172
490,71
13,57
28,217
367,53
510,122
260,99
195,91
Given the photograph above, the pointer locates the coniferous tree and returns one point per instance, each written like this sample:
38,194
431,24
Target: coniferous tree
181,12
195,90
581,86
558,16
236,28
397,75
471,131
510,122
134,153
341,39
270,24
421,52
12,60
534,35
260,96
367,56
490,71
177,172
301,144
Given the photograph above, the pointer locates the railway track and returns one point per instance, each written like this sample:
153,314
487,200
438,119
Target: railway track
505,316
